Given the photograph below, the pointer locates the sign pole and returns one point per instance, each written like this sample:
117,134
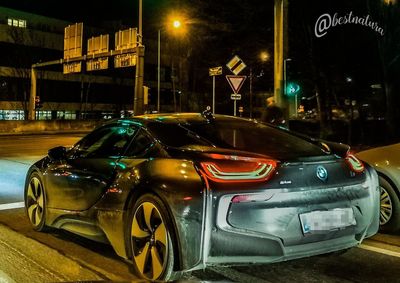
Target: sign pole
213,108
234,108
216,71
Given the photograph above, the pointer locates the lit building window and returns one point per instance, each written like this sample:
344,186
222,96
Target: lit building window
12,115
16,23
22,23
66,115
43,115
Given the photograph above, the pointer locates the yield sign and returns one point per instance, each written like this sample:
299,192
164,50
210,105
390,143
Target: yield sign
235,82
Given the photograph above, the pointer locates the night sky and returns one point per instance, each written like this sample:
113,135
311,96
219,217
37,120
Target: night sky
87,10
345,51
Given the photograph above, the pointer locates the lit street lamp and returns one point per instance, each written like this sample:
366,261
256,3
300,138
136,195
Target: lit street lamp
177,23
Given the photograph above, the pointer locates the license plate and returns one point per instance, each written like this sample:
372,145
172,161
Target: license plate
327,220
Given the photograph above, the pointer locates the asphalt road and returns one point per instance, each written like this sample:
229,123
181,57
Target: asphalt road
17,153
59,256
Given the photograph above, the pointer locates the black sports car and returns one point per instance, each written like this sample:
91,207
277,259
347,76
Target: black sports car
175,193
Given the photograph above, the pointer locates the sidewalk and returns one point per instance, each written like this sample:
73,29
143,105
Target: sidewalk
26,260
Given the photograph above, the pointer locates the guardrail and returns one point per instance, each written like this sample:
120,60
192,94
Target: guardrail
50,126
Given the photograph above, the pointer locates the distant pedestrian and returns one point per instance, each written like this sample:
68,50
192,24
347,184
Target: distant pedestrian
272,113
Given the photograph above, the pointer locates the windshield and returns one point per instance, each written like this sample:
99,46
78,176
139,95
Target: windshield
236,134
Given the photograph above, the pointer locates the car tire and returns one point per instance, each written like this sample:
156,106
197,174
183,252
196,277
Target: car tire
152,240
35,202
389,208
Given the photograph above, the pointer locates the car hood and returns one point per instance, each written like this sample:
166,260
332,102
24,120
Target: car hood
385,154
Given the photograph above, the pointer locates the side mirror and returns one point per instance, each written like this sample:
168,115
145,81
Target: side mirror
57,153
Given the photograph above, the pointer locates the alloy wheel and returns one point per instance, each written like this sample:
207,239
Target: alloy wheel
386,207
149,240
35,201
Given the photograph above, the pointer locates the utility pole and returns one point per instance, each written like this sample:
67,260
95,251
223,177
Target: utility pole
280,50
138,102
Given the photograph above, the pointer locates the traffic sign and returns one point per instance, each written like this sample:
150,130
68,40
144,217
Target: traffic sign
73,35
236,65
236,96
126,39
125,60
97,46
97,64
72,67
73,41
216,71
235,82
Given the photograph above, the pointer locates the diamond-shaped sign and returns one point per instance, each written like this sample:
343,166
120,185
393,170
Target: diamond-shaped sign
235,82
236,65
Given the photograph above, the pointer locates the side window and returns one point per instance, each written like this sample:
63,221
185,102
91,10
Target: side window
108,141
141,143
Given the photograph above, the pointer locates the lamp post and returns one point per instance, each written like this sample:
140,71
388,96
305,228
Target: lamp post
176,24
284,74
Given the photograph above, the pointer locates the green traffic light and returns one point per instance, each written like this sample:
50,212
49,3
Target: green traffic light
292,89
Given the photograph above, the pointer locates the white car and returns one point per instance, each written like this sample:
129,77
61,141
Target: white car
386,161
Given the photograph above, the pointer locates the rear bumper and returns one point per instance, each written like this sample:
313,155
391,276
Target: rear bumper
271,231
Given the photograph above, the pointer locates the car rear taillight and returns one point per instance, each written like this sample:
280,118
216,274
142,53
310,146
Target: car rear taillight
252,197
230,168
354,163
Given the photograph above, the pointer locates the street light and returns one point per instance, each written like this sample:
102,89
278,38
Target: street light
176,24
284,75
264,56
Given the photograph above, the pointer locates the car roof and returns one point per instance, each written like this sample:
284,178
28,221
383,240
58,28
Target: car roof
174,118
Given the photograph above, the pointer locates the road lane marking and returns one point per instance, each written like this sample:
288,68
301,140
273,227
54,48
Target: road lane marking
379,250
4,278
13,205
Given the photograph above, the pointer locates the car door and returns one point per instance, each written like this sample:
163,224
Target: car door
80,180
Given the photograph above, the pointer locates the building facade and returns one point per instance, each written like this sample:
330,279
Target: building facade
27,39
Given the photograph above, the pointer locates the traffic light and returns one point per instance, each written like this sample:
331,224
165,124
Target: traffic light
292,88
38,105
292,78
